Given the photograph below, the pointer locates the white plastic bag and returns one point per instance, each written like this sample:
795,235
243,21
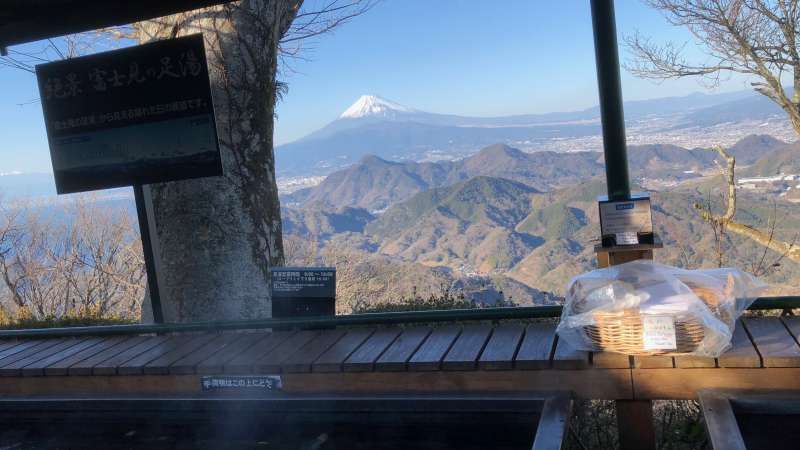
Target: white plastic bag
642,307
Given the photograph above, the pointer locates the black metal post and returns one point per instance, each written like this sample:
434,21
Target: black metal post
611,113
149,259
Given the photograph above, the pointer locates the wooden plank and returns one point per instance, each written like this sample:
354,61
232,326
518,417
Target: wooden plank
635,424
553,423
62,367
244,361
37,369
666,384
301,361
774,343
109,366
566,356
793,324
537,346
608,384
430,354
271,362
463,355
135,365
28,350
363,359
14,369
396,357
333,359
86,365
501,348
694,362
653,362
721,425
742,352
187,364
216,363
161,365
17,347
610,360
6,345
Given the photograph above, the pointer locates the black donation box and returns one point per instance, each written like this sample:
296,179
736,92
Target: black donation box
303,291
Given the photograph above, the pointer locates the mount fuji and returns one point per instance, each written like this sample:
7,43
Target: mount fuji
377,126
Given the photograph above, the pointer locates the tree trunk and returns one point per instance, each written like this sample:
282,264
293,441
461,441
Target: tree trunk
217,237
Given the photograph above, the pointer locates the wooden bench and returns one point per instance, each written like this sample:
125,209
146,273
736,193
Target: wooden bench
479,358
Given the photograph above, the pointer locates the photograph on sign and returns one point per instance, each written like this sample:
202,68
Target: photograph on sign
137,115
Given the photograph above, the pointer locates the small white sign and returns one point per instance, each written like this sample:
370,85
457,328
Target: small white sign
237,382
659,333
623,217
628,238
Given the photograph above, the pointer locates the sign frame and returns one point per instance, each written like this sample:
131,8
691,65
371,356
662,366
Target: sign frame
137,115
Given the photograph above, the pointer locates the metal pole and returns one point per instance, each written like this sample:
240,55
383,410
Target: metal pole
149,259
611,114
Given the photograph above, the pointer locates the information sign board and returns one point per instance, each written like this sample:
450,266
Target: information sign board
303,291
132,116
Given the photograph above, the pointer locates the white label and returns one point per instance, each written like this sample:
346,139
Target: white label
659,333
626,217
237,382
629,238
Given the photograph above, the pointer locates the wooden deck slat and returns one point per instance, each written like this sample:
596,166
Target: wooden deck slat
38,346
61,367
109,366
6,345
464,353
742,352
215,364
333,359
694,362
653,362
160,365
774,343
430,354
17,347
135,365
396,357
566,356
301,361
244,361
502,346
14,369
188,364
271,362
363,359
86,365
537,346
610,360
37,368
793,324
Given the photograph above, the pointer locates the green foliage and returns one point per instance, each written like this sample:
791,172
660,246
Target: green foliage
62,322
446,299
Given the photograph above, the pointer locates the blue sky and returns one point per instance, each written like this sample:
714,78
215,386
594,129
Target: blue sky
463,57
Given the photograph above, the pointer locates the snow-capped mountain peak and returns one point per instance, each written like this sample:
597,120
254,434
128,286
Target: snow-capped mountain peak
372,105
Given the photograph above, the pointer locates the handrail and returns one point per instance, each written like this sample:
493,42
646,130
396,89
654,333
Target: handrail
455,315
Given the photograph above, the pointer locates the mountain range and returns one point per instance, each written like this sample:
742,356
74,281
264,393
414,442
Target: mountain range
528,221
389,130
374,183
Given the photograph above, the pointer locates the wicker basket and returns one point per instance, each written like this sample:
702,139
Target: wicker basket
622,331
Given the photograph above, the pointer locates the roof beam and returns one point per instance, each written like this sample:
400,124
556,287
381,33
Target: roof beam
24,21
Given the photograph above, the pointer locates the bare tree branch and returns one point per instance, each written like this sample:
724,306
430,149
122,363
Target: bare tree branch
725,221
